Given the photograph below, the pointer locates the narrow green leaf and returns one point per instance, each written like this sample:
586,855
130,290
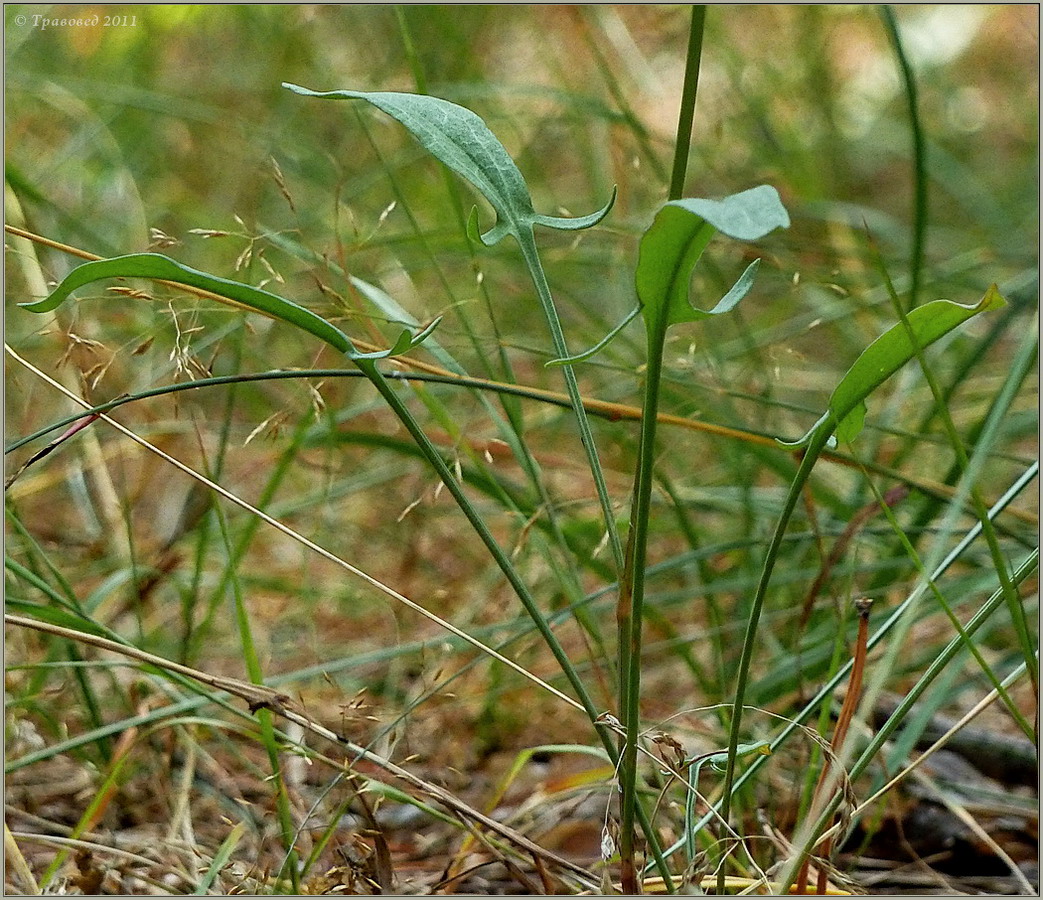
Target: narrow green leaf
224,853
155,265
54,616
681,231
886,355
587,354
577,223
406,341
460,140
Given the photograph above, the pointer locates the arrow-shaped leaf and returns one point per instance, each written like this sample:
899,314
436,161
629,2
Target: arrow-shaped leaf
463,142
155,265
886,355
672,245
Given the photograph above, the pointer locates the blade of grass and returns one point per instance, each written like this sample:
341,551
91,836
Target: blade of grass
224,853
920,208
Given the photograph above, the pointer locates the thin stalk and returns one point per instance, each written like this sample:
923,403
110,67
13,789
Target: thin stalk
539,280
615,89
919,155
275,477
688,93
847,714
631,604
629,615
811,454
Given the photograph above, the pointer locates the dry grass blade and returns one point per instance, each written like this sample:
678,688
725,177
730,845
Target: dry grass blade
20,868
847,714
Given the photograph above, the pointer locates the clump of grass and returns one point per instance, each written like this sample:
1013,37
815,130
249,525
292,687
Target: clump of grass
555,543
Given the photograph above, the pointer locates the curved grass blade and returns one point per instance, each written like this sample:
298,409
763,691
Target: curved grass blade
886,355
155,265
461,140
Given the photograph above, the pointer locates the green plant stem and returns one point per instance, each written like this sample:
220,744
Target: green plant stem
539,280
632,587
811,454
688,93
412,56
391,397
632,120
631,604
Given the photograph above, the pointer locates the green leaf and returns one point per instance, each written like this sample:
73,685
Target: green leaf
682,229
155,265
740,289
462,141
886,355
224,853
55,616
600,345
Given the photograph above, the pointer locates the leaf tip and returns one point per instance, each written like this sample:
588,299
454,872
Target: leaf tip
474,233
993,299
566,223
